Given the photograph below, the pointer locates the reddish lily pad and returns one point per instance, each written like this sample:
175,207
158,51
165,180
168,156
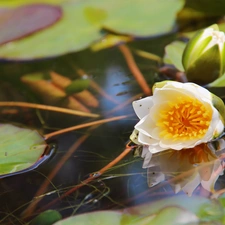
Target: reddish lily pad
22,21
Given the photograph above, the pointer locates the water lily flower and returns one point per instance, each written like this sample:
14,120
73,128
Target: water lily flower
177,116
204,56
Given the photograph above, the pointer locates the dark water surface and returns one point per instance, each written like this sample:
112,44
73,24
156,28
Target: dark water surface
123,185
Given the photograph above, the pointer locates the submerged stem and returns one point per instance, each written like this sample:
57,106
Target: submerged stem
49,108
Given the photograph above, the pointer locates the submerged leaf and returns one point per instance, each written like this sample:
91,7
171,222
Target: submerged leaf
77,86
20,148
25,20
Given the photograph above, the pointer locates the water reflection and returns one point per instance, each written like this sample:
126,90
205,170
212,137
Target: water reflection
186,169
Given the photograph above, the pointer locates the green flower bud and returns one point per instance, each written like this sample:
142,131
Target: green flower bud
204,56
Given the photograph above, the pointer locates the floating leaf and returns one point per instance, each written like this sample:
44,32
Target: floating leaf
25,20
174,52
77,86
166,215
101,217
72,33
109,41
144,17
20,148
95,15
13,3
79,27
47,218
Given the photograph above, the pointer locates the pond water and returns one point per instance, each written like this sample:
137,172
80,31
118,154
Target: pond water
126,183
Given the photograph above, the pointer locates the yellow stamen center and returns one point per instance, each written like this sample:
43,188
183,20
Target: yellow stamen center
184,119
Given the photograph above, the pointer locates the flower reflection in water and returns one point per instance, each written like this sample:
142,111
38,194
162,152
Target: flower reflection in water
188,168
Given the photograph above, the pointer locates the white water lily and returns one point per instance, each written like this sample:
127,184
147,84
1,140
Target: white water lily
177,116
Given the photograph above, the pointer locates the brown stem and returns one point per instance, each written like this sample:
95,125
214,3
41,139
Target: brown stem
49,108
98,122
134,69
91,178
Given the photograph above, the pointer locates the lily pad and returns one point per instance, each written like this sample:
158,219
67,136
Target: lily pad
13,3
47,218
143,18
72,33
83,21
174,52
22,21
20,148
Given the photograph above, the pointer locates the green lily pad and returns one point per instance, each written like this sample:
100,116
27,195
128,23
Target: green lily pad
174,52
83,21
174,210
143,18
101,217
13,3
47,218
72,33
20,148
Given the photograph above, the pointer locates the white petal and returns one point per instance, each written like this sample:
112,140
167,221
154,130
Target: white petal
219,129
142,106
145,125
156,148
146,140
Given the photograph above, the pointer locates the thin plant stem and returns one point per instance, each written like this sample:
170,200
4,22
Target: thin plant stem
134,69
98,122
31,208
49,108
92,177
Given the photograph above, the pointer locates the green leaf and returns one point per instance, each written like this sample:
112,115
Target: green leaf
83,21
95,15
101,217
212,211
72,33
20,148
170,216
142,18
174,53
47,218
77,86
13,3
